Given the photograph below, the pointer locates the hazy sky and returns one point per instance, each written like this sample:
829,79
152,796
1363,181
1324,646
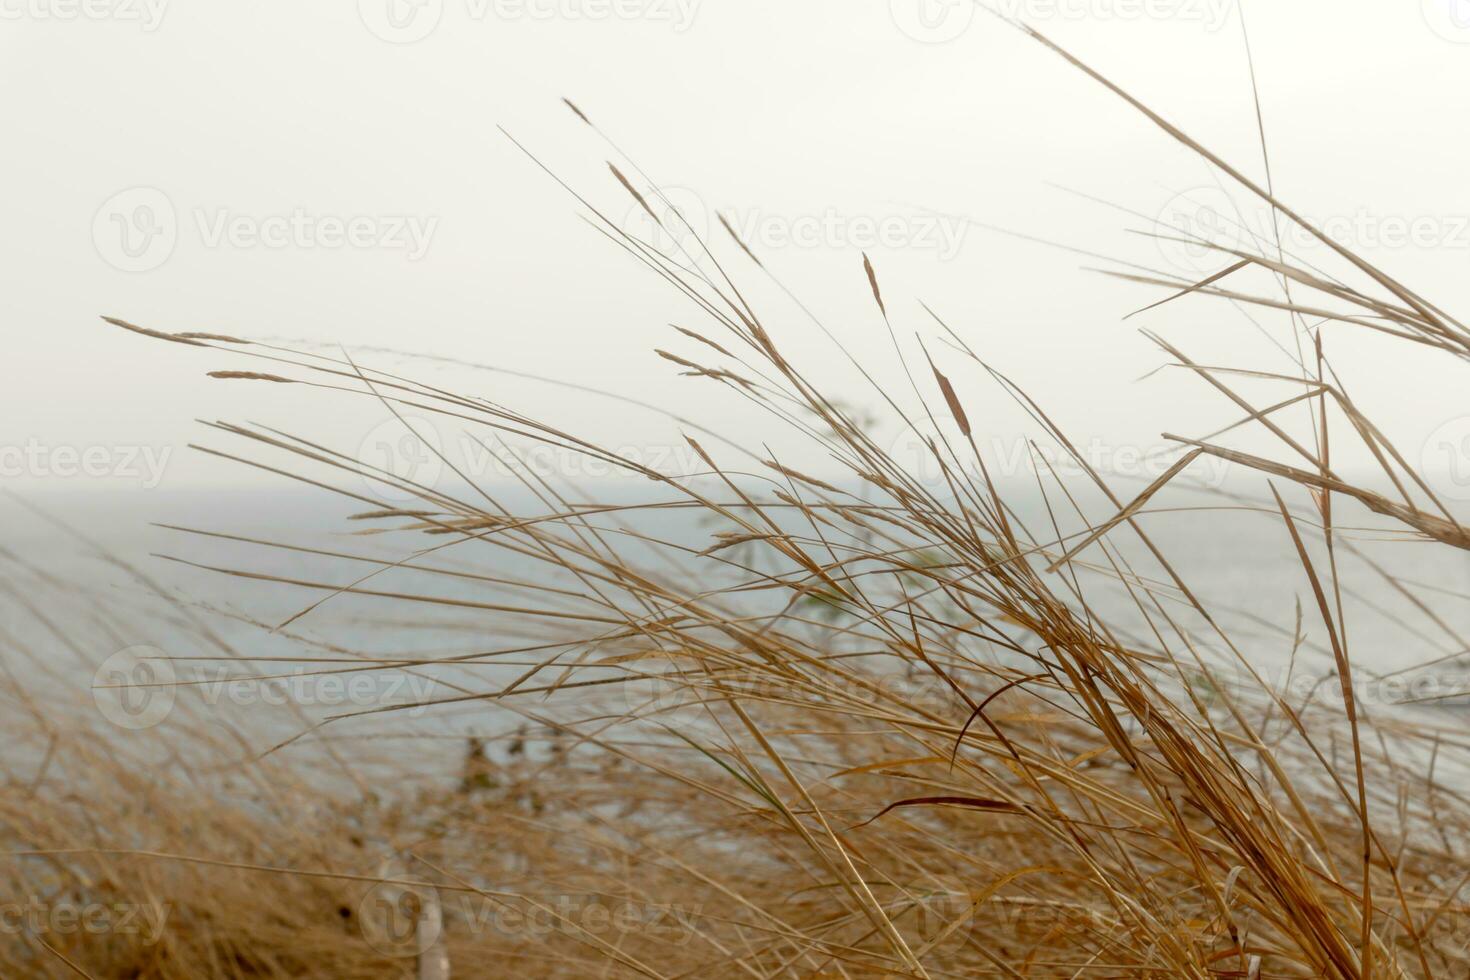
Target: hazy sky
332,171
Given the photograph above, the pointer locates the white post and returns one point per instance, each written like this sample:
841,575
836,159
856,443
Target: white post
433,959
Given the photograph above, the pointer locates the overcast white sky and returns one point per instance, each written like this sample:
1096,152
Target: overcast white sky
196,166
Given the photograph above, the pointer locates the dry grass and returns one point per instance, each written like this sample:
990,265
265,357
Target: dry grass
881,726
